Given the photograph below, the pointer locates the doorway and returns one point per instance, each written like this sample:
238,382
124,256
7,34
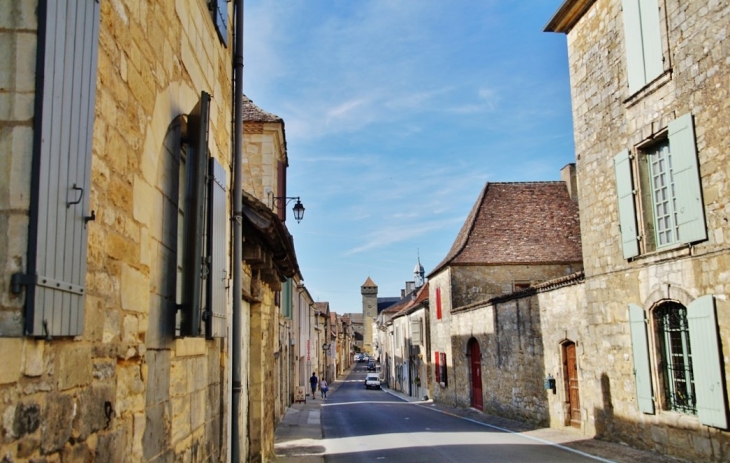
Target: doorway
570,364
475,356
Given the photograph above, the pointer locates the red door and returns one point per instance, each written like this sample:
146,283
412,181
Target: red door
476,375
573,395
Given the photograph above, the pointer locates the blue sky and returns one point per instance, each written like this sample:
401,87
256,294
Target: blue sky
397,112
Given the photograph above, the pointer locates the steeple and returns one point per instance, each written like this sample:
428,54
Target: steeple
418,274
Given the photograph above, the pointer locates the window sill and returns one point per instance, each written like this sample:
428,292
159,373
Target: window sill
660,255
649,88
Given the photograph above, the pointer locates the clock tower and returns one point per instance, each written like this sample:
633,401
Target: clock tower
369,291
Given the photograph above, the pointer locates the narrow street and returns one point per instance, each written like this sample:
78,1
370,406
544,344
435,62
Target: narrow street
360,425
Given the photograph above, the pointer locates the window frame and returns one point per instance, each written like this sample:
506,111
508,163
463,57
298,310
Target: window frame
707,366
636,212
665,384
644,46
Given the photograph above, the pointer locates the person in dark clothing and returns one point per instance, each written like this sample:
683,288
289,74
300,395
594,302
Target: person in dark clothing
313,381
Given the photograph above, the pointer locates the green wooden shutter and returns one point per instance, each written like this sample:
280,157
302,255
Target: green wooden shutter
688,189
626,205
640,349
197,167
706,362
651,40
61,179
634,47
216,281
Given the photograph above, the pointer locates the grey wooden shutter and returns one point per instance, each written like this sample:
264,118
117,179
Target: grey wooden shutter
634,47
64,120
706,362
640,349
197,168
626,205
651,40
216,303
416,337
642,36
685,171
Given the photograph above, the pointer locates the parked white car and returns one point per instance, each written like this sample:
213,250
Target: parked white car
372,380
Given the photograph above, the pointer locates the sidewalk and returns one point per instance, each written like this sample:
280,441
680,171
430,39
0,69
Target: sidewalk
298,436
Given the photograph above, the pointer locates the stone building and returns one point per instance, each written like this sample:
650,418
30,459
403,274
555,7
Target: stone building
410,339
115,241
270,269
109,131
650,111
516,236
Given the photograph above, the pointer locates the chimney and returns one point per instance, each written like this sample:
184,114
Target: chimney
567,175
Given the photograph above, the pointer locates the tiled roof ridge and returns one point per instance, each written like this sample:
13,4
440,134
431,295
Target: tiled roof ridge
253,113
463,236
496,231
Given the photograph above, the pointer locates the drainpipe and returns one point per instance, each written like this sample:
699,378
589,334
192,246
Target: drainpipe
237,234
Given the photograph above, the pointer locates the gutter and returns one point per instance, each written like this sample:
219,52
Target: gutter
237,224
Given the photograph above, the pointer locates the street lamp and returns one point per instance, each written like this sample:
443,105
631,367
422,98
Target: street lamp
298,206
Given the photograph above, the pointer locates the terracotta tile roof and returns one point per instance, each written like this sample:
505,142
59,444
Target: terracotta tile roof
369,282
252,113
518,223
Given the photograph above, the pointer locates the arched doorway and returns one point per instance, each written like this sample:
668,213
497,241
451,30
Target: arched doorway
475,356
572,396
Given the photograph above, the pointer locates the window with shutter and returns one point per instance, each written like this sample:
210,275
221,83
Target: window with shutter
216,281
438,303
219,12
644,59
668,191
444,369
196,168
61,175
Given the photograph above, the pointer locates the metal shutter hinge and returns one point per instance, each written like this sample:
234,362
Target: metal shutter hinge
21,279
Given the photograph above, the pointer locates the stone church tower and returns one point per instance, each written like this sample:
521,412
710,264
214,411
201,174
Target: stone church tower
369,291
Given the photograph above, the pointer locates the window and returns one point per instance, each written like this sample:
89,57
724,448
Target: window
644,59
201,231
684,355
438,303
437,366
219,11
672,334
659,192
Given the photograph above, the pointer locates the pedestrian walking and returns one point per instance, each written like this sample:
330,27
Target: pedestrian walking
323,388
313,381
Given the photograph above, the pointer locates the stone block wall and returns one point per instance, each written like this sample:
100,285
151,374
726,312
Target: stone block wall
478,283
125,390
264,148
440,331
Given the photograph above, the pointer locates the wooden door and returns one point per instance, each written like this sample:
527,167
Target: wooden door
476,375
573,393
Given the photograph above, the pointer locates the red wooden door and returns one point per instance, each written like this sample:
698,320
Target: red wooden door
573,395
476,376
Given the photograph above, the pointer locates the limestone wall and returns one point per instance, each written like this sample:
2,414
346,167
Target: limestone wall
126,390
474,283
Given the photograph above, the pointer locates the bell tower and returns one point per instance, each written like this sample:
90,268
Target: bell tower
369,291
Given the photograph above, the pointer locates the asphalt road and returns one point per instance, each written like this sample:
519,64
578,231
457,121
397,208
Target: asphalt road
362,425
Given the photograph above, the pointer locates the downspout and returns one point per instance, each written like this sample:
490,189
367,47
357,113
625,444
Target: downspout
237,233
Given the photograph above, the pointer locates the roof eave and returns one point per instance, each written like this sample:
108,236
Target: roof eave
568,16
